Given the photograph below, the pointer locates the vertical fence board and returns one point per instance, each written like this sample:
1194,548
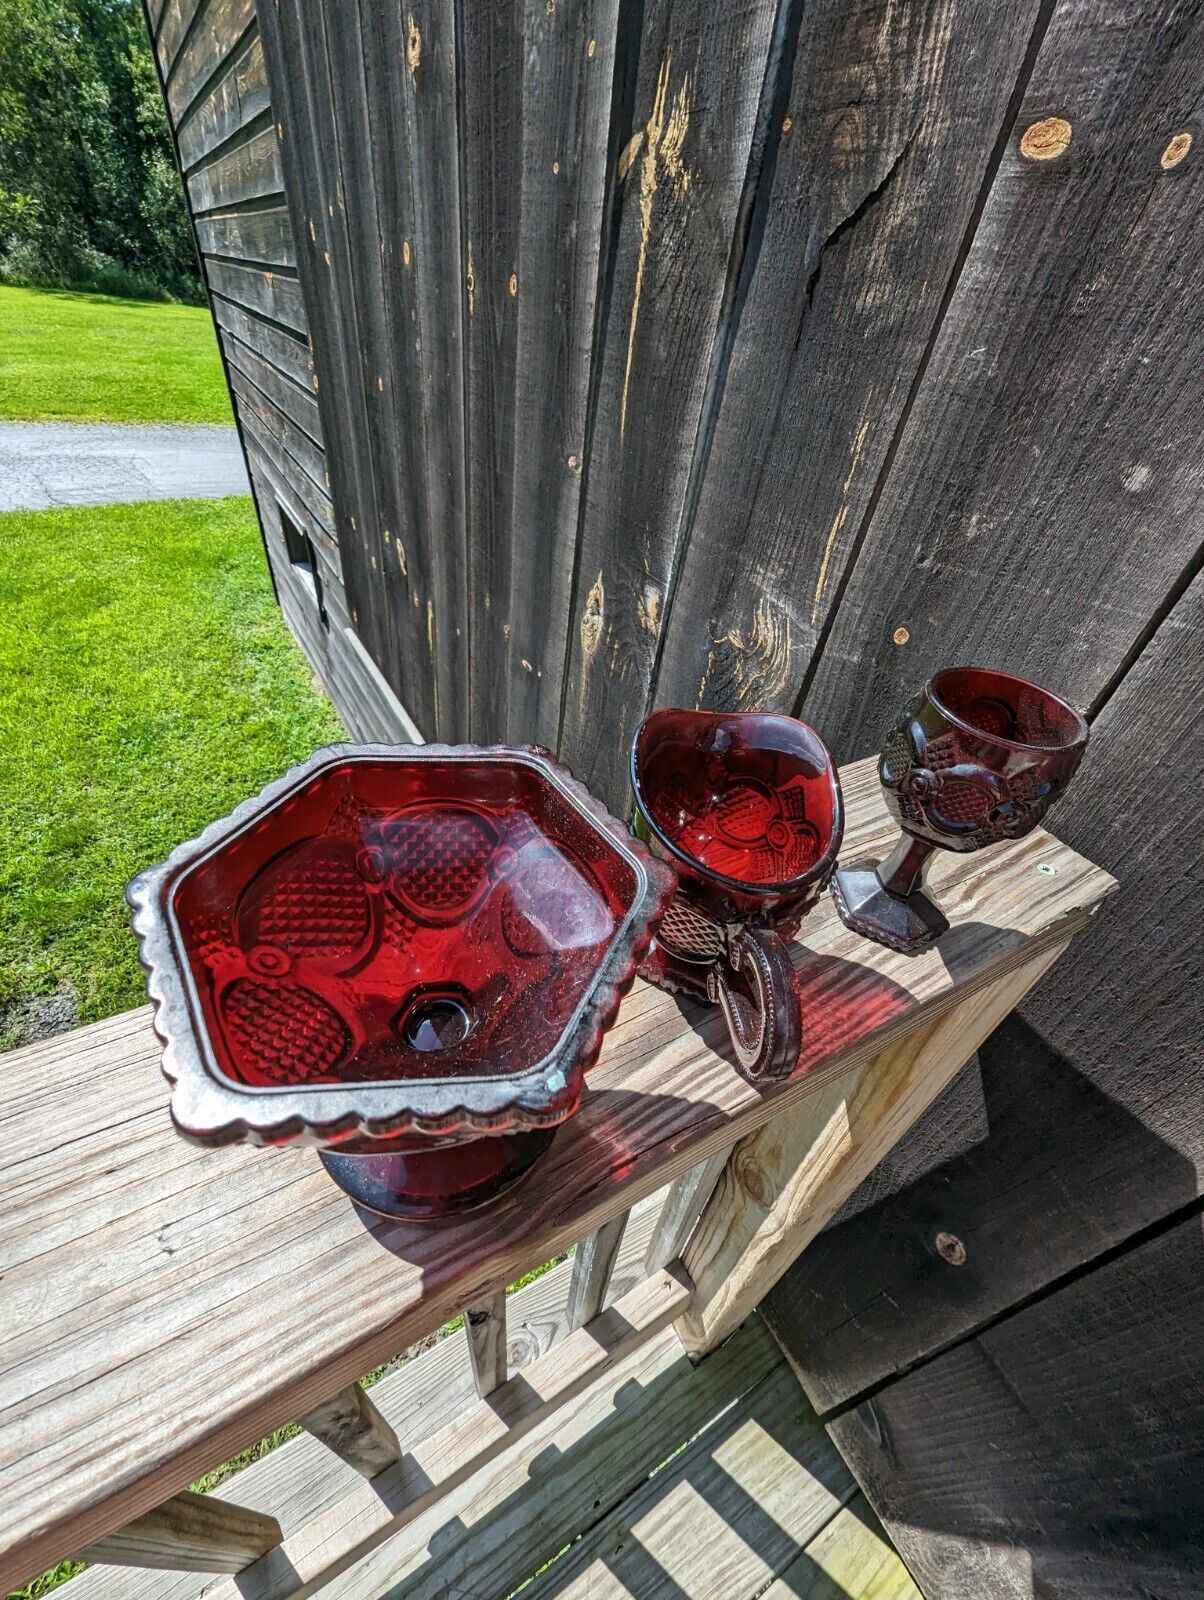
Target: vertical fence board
300,96
682,179
889,127
410,107
1046,494
536,100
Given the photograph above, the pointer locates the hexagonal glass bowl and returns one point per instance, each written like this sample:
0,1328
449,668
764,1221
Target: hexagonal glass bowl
406,956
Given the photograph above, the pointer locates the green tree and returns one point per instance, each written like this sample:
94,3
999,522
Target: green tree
89,193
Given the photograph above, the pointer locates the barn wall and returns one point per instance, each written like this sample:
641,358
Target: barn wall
211,65
617,353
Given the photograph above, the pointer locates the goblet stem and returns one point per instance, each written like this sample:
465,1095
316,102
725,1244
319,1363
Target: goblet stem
885,900
904,870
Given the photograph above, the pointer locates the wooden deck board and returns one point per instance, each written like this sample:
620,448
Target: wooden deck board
201,1298
517,1514
724,1517
299,1481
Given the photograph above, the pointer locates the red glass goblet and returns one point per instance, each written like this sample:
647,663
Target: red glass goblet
979,756
747,807
406,957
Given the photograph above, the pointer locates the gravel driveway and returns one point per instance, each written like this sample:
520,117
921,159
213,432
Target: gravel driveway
97,463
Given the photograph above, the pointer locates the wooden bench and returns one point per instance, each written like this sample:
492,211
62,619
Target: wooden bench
162,1307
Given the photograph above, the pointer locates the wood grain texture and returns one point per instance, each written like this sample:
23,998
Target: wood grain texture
485,1330
273,389
683,1206
1044,500
284,349
1093,1106
720,1519
536,97
508,1520
593,1262
217,26
173,23
298,1481
372,1513
275,295
292,442
784,1182
892,115
410,136
1058,1452
248,169
696,127
350,1424
237,96
192,1238
850,1559
385,325
262,236
192,1533
308,505
299,80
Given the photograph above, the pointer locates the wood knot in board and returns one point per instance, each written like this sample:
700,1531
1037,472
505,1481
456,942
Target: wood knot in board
592,48
900,636
591,620
787,124
950,1248
413,43
1042,141
513,284
1175,151
405,251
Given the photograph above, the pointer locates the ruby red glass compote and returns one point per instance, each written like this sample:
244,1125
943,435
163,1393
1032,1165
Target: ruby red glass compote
405,956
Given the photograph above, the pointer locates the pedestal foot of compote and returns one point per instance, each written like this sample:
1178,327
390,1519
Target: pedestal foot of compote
907,923
440,1184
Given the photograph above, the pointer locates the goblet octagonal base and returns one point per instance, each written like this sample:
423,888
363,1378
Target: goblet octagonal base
907,923
430,1185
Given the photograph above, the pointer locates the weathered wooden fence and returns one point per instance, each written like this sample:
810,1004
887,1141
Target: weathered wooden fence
596,353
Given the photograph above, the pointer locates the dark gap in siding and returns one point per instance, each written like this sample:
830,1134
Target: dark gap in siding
243,134
1114,1252
154,22
1036,40
283,490
165,76
253,264
747,236
259,316
279,425
272,200
211,82
629,33
1163,610
460,70
268,399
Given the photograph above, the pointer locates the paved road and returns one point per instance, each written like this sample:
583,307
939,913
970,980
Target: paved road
96,463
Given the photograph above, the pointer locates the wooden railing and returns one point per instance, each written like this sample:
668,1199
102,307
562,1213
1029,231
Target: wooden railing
163,1307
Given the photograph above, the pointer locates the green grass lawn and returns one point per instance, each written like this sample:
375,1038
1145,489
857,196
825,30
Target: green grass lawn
147,684
89,358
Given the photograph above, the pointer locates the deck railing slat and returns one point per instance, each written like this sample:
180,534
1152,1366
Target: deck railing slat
350,1425
681,1211
485,1327
189,1533
593,1264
